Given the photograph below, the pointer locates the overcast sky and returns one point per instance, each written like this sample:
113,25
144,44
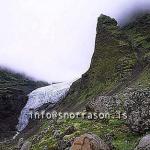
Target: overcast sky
53,40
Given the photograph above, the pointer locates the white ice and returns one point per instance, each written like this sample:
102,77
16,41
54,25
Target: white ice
49,94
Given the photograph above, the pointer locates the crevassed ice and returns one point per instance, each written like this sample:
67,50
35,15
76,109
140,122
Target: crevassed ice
40,96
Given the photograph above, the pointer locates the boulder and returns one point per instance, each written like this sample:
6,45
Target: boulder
63,144
137,107
57,134
104,104
26,146
20,143
69,130
144,143
89,142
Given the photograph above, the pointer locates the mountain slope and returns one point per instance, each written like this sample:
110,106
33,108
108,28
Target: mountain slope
116,60
120,62
14,88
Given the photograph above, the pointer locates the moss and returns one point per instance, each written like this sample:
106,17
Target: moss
46,141
126,141
123,138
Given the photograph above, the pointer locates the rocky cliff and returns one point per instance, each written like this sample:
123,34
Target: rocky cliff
120,56
14,89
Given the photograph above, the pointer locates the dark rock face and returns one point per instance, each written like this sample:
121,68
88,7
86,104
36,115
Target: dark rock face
11,103
139,37
137,107
14,89
144,143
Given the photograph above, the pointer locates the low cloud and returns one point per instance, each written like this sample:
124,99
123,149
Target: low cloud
54,40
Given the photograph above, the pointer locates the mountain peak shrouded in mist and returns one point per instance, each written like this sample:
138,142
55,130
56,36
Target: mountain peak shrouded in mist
54,42
103,19
120,55
135,13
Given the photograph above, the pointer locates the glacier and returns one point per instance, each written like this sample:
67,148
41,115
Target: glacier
49,94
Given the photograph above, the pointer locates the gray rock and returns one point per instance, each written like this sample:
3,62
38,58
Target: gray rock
67,148
137,107
104,104
108,138
57,134
144,143
45,148
69,130
62,144
26,146
20,143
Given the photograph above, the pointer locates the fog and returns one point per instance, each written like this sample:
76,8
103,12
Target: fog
53,40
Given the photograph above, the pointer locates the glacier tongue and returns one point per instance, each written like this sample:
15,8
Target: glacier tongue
52,93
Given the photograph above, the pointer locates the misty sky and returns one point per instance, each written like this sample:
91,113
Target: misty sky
54,40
